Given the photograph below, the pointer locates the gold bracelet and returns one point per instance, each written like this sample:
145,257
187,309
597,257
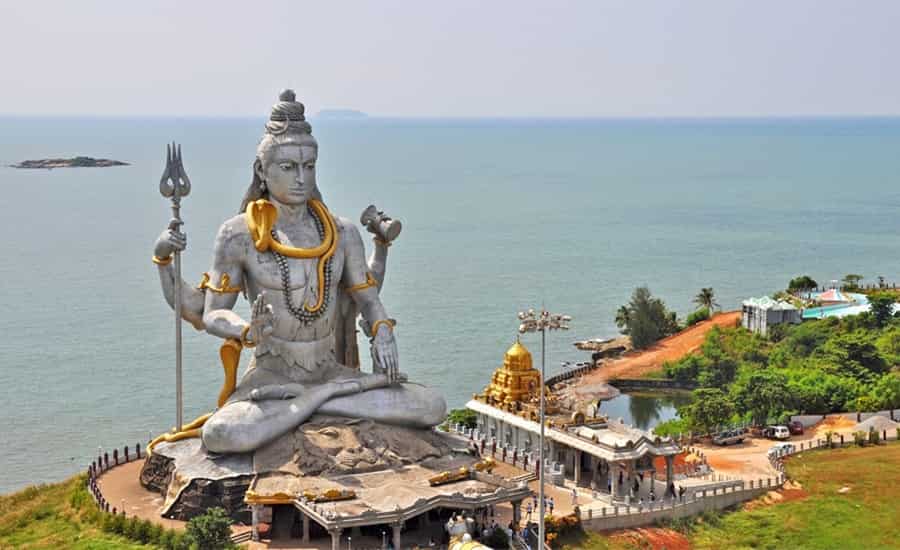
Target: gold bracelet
224,284
380,322
244,342
162,261
383,242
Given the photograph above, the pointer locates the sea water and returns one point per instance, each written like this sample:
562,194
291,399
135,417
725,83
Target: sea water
498,216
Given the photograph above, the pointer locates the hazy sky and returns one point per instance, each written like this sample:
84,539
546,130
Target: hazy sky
456,58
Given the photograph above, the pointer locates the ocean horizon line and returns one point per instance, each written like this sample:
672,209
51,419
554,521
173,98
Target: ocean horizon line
475,118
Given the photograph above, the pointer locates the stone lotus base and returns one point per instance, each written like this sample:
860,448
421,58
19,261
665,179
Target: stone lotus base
321,449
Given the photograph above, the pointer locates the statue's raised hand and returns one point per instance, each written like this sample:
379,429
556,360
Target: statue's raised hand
170,240
384,353
262,319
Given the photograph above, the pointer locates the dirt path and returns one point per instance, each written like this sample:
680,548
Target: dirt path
638,363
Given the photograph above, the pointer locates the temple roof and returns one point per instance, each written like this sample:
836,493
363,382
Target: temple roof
517,379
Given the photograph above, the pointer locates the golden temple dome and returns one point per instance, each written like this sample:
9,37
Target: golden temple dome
517,379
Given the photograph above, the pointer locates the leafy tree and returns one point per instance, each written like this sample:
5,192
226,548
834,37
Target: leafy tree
706,299
762,393
647,319
685,370
804,283
888,345
466,417
881,307
210,530
886,392
851,281
854,354
709,409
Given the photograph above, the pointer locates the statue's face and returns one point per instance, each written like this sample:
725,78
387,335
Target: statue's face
290,174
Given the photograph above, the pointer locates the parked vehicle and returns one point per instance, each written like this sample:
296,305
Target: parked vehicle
781,449
795,427
777,432
729,437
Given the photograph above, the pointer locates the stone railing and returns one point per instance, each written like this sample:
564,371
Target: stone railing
524,459
717,498
105,463
569,374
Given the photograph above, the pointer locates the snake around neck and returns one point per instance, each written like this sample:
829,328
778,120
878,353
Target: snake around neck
261,217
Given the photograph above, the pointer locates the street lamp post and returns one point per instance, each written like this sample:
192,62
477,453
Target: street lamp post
542,321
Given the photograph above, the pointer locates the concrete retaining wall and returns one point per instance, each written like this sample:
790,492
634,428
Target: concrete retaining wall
650,384
622,517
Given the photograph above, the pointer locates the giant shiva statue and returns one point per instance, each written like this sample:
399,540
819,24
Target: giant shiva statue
304,272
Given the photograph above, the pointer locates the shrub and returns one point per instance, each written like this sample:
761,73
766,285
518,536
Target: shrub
466,417
874,437
701,314
859,438
497,539
829,437
210,530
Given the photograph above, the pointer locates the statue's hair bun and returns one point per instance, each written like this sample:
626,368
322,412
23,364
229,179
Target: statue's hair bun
287,95
288,115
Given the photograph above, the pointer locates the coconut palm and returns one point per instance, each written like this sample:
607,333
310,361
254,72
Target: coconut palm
622,317
706,298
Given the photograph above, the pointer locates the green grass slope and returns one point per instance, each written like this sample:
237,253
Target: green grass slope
61,515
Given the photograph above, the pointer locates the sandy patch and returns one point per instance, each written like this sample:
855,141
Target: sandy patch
653,537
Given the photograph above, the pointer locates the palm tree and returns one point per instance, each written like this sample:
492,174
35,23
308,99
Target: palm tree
622,317
706,298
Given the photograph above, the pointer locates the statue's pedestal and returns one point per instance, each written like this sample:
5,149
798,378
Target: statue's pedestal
318,451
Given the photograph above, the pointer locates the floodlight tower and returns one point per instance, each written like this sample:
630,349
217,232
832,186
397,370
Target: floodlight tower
542,321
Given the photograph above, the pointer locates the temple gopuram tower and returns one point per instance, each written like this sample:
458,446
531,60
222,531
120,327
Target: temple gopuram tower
517,380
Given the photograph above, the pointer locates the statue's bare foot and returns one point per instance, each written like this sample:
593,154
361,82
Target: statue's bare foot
276,391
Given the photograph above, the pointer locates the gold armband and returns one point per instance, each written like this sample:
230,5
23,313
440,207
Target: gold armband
370,282
244,342
380,322
223,287
162,261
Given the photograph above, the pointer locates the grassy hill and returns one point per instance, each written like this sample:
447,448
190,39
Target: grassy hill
62,515
814,517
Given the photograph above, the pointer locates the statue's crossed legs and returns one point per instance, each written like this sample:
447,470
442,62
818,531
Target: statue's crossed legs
257,416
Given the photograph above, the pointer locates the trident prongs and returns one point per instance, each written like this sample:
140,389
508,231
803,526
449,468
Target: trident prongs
174,183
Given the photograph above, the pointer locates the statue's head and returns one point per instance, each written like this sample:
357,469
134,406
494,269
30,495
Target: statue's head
285,165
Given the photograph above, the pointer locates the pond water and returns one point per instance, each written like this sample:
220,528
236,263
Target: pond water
645,410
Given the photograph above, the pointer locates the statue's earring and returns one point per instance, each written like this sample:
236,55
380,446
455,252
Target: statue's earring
262,186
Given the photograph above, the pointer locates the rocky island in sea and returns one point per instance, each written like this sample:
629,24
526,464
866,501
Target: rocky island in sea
74,162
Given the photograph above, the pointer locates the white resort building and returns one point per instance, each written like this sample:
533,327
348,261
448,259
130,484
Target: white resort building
758,314
586,449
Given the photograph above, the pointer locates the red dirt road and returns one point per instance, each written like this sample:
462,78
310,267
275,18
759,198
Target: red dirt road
638,363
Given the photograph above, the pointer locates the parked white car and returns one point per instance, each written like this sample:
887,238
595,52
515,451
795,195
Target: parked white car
781,449
777,432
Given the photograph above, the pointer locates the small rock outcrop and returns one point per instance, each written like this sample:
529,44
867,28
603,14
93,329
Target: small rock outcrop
74,162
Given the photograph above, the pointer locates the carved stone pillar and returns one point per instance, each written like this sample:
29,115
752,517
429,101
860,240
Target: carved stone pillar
254,530
577,466
335,539
305,517
397,527
670,463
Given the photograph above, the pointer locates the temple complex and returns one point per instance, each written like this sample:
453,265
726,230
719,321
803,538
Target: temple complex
581,446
